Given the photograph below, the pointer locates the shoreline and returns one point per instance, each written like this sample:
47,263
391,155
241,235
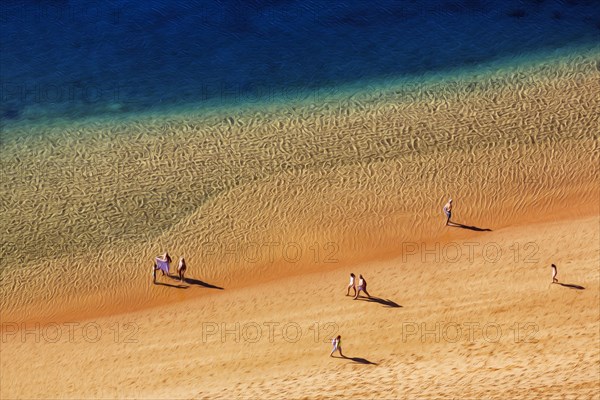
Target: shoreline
490,73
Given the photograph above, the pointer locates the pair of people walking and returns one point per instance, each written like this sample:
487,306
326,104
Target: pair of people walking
163,263
362,286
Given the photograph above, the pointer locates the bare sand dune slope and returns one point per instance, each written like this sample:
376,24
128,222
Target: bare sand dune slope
475,317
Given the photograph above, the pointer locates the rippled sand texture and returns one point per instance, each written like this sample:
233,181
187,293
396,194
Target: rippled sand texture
86,206
469,328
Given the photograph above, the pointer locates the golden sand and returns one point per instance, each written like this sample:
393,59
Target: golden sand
277,207
520,336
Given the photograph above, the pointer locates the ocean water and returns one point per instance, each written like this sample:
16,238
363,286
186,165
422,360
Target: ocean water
72,59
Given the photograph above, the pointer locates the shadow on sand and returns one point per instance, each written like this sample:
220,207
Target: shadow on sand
385,302
170,285
192,281
570,285
358,360
472,228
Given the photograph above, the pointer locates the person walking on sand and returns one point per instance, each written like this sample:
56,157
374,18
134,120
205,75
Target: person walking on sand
448,211
163,262
181,269
154,268
337,345
362,286
352,285
554,273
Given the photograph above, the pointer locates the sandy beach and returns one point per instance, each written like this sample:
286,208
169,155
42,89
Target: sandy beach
273,208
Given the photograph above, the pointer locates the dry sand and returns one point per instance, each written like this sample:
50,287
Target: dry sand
480,327
277,207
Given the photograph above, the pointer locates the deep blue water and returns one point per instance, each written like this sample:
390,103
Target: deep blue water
75,58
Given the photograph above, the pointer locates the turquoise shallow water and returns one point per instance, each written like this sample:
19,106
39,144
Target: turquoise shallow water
66,59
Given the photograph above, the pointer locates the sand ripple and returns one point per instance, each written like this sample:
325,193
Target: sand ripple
85,206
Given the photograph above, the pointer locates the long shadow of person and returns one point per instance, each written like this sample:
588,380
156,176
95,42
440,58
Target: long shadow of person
472,228
572,286
192,281
385,302
359,360
170,285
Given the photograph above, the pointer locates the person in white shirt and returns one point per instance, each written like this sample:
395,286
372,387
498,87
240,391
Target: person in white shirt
362,286
554,273
448,211
181,269
352,285
337,345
